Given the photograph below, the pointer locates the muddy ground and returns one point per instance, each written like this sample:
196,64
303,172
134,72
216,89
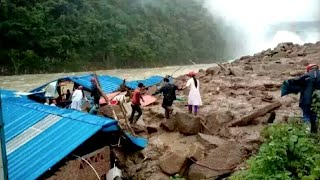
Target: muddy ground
239,99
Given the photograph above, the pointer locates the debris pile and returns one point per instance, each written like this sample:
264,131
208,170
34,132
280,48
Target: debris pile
239,99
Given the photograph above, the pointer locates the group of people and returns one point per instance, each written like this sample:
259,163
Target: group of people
305,85
168,91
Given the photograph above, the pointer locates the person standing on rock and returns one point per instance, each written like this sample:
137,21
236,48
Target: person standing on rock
135,103
306,84
194,98
169,95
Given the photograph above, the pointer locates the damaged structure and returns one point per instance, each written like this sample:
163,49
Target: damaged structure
47,142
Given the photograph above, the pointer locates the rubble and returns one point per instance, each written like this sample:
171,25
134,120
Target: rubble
219,161
172,162
239,99
187,123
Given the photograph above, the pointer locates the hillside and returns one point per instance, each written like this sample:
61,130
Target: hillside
239,98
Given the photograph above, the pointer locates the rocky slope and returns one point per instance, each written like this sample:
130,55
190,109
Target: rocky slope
239,99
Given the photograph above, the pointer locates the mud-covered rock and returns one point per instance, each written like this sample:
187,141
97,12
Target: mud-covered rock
168,124
216,119
187,123
172,162
213,70
221,160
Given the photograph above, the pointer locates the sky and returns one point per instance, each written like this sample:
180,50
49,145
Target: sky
254,17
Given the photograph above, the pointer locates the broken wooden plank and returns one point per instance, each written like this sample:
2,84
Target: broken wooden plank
257,113
122,108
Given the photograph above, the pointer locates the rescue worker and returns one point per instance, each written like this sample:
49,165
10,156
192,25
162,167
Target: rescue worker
306,84
135,102
169,95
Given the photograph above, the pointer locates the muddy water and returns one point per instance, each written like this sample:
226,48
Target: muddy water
29,82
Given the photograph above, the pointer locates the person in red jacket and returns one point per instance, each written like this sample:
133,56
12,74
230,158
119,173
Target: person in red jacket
135,102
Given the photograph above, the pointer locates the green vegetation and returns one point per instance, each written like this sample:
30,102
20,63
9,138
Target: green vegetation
70,35
289,152
176,177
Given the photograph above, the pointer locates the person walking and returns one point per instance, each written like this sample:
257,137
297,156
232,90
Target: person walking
306,85
194,97
169,95
135,103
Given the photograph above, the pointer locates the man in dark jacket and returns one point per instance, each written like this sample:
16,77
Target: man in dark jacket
169,95
308,83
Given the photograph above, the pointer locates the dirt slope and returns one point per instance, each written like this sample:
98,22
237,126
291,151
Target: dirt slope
227,129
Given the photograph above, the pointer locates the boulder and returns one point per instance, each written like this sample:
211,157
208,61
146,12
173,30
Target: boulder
215,120
168,124
213,140
221,160
172,162
247,68
213,70
236,71
280,54
245,57
266,58
187,123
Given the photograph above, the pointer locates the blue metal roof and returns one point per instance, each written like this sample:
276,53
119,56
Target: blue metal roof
109,84
7,93
38,136
151,81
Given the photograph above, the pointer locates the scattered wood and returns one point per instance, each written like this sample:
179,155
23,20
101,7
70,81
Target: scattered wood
123,110
206,127
222,67
258,113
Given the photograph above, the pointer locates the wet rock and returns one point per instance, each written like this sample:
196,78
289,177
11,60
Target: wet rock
215,120
297,73
236,71
213,140
284,45
152,129
221,160
156,112
196,151
277,67
187,123
245,57
280,54
213,70
247,68
266,59
172,162
301,53
168,124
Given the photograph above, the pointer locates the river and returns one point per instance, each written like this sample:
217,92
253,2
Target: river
28,82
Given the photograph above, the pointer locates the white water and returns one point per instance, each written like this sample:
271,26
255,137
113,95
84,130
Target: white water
254,18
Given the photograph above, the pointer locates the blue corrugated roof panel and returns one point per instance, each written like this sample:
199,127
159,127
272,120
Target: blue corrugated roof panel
108,84
30,155
7,93
151,81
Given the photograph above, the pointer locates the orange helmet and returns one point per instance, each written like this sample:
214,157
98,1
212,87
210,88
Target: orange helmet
310,66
